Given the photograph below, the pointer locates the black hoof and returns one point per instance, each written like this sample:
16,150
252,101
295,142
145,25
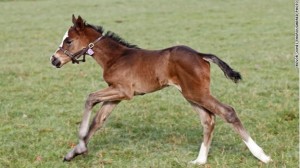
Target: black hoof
85,153
66,160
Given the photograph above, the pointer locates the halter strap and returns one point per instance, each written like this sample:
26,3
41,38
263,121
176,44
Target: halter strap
74,57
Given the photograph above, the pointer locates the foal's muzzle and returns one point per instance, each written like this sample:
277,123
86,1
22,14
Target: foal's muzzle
55,62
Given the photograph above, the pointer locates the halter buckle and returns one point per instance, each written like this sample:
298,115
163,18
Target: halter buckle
91,45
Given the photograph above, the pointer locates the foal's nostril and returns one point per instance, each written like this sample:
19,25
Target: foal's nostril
55,61
52,58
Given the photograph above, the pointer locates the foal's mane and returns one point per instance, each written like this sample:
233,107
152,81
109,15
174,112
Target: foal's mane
112,36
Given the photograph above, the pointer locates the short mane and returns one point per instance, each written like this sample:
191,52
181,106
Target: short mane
111,35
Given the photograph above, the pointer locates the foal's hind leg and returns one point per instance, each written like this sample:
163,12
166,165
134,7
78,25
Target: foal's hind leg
229,115
208,122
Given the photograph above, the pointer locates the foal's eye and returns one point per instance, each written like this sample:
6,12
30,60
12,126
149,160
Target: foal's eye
68,41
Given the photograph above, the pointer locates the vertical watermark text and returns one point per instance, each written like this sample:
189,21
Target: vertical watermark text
296,33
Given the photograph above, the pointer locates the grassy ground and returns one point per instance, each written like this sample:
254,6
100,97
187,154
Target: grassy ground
41,107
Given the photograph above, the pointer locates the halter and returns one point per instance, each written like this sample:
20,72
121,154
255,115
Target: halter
87,50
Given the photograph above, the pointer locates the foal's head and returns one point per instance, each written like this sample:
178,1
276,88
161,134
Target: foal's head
75,39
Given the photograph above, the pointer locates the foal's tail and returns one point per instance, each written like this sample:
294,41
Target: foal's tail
228,71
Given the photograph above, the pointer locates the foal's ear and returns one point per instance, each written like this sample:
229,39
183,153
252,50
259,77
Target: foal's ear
74,19
78,23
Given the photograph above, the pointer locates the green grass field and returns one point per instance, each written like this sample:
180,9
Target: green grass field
41,107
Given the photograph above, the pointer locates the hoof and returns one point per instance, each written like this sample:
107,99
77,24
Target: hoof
197,162
72,154
266,159
66,160
86,152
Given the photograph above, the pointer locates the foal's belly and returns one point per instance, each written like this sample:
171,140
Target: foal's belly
149,84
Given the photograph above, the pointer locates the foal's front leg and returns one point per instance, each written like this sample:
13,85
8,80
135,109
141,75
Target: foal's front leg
100,118
110,98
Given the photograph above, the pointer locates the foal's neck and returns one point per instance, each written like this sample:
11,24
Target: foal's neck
107,51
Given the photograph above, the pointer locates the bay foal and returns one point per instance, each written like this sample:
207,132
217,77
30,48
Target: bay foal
129,71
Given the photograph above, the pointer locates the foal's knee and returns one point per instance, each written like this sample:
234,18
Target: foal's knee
230,115
208,122
91,101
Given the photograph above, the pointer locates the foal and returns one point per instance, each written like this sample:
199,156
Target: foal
130,71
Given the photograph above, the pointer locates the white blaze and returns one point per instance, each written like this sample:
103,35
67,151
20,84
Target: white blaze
63,39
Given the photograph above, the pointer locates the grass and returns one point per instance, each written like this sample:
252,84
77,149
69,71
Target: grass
41,107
